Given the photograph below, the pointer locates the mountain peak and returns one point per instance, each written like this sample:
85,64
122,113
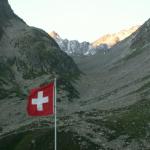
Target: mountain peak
112,39
72,47
54,35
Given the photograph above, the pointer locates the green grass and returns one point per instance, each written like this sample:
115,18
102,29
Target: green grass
132,121
44,140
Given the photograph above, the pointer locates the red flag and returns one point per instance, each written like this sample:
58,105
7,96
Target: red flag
41,100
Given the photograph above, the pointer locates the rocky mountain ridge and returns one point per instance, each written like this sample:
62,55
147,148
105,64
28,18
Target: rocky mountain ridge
74,47
112,39
71,47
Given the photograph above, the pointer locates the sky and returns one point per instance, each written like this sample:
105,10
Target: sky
83,20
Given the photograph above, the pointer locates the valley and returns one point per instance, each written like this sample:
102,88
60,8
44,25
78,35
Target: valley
103,99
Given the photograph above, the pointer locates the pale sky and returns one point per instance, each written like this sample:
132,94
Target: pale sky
83,20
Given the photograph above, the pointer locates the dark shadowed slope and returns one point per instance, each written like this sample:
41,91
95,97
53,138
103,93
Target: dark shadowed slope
28,58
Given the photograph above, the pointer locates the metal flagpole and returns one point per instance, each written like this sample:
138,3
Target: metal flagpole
55,140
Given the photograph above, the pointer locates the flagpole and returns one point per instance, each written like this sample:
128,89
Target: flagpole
55,111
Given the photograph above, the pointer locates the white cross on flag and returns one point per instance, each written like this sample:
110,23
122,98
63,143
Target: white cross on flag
40,101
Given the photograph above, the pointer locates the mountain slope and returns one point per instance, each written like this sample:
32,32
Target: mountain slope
29,57
115,93
113,109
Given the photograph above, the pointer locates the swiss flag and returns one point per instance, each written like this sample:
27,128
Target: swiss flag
41,100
